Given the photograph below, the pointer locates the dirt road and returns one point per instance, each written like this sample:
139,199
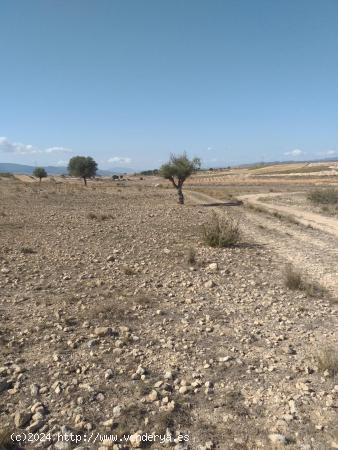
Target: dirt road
318,221
312,250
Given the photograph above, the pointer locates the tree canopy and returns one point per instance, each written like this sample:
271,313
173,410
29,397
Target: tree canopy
178,169
39,172
82,166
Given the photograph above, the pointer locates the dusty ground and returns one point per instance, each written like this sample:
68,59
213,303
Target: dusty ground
106,328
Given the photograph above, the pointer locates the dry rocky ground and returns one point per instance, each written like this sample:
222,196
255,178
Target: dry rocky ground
107,327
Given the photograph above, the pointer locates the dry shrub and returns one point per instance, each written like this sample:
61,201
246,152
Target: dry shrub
27,251
293,278
327,360
100,217
327,196
221,231
191,256
128,270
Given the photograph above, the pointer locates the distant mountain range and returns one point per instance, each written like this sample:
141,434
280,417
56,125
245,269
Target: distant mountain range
55,170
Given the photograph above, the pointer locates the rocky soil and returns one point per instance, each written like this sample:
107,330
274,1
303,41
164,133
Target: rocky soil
116,319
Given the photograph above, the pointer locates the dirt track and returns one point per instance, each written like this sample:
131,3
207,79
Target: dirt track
318,221
311,249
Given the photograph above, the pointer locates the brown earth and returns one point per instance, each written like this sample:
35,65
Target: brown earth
108,325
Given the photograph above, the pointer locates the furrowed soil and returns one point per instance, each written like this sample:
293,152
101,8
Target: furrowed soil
116,319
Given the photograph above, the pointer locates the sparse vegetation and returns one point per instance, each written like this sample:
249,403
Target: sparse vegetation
27,250
191,256
143,284
327,360
149,172
99,217
327,196
293,280
128,270
6,175
221,231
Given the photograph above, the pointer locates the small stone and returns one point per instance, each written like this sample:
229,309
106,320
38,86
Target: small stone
135,440
213,267
103,331
21,418
117,411
37,407
92,342
153,396
35,426
34,388
110,258
168,375
209,284
108,423
62,445
278,439
108,374
183,389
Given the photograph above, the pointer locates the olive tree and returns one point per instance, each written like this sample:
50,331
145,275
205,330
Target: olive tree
39,172
178,169
83,167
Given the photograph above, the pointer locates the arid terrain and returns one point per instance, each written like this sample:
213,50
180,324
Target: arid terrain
117,319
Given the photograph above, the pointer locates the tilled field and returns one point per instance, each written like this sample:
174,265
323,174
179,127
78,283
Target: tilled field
107,328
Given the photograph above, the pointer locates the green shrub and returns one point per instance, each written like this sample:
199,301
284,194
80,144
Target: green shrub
221,231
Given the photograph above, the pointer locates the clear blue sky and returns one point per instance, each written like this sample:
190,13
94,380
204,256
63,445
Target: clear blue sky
130,81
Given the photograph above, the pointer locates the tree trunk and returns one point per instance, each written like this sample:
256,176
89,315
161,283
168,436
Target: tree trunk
180,195
40,180
85,181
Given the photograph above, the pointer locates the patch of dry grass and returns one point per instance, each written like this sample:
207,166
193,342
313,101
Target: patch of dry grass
99,217
191,256
221,231
293,280
328,196
327,360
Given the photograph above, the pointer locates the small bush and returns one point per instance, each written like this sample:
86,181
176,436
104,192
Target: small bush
128,270
221,231
327,360
327,196
293,278
27,250
191,256
101,217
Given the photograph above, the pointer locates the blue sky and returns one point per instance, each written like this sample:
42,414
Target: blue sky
129,81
